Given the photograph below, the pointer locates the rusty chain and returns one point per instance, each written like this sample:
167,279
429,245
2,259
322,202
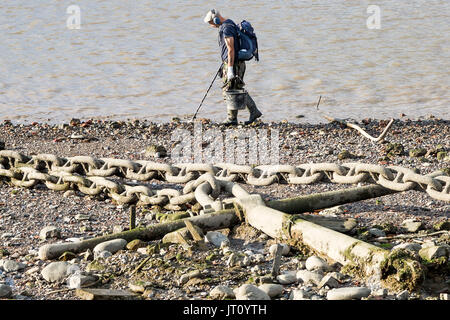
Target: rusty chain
203,181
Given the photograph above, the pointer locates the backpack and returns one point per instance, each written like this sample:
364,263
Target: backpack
248,43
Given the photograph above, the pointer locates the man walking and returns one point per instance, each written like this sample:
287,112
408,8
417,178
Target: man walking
233,69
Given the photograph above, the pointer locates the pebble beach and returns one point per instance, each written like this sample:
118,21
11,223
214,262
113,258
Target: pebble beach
241,269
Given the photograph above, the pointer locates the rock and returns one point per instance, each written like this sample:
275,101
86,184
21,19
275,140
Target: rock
221,292
328,281
441,155
332,212
417,152
309,277
345,154
135,244
188,276
316,263
284,249
216,238
338,276
298,294
74,122
157,151
118,229
55,271
411,225
411,246
433,252
377,232
102,254
443,225
404,295
348,293
11,265
272,289
81,217
238,259
112,246
250,292
78,280
288,277
173,237
5,291
49,232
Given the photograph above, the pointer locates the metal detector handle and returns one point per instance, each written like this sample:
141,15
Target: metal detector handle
220,68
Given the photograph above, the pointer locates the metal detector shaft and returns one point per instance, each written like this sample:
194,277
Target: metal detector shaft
207,91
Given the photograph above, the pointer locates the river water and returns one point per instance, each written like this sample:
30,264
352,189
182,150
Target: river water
156,59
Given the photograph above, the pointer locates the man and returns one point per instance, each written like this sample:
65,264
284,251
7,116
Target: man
233,70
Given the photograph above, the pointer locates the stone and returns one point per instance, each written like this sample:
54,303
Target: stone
112,246
411,246
250,292
443,225
309,277
404,295
12,266
411,225
5,291
272,289
345,154
117,229
332,212
298,294
78,280
284,249
433,252
55,271
102,254
221,292
81,217
157,151
172,237
418,152
139,287
135,244
287,277
188,276
348,293
377,232
49,232
316,263
216,238
328,281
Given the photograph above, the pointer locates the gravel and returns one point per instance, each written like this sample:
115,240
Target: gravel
24,213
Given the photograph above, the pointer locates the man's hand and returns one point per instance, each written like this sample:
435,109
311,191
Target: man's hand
230,73
230,46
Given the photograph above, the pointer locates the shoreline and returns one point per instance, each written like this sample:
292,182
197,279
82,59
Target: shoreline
25,212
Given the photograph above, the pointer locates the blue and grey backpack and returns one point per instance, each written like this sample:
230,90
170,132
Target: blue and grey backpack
248,43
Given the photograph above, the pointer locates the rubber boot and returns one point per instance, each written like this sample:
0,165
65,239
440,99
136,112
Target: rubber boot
231,119
254,111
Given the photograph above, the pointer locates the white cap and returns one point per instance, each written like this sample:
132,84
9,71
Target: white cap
210,15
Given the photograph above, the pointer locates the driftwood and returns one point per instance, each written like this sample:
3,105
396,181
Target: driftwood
212,221
360,130
230,217
363,259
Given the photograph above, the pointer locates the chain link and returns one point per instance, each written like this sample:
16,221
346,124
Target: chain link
89,175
